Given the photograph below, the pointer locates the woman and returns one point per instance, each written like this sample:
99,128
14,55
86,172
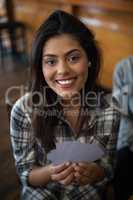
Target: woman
61,106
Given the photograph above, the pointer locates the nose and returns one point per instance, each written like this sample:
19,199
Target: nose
63,67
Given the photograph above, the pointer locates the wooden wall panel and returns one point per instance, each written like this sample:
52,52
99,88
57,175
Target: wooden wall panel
114,31
112,22
33,13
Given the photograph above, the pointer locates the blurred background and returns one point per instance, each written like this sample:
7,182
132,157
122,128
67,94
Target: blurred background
112,23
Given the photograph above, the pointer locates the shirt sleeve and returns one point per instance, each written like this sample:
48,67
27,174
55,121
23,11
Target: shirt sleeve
111,119
22,140
123,85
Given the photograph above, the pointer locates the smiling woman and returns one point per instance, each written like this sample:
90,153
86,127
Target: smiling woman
65,63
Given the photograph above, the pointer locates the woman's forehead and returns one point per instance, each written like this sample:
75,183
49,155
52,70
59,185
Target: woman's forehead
61,44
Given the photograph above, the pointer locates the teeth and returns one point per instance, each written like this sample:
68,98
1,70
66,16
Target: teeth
63,82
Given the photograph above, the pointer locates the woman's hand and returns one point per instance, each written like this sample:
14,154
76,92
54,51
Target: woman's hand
63,173
87,173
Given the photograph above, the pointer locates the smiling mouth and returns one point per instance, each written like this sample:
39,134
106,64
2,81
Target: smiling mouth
66,82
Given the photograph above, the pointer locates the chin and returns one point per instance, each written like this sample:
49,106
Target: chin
69,95
66,96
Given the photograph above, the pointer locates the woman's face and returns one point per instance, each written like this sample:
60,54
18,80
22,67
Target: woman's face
64,65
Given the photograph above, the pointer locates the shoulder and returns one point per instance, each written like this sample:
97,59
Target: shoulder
109,113
21,125
108,117
124,68
107,123
21,108
124,62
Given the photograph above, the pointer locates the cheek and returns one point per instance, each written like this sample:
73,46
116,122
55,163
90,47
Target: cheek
82,68
46,74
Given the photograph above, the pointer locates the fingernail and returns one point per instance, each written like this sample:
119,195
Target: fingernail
67,163
75,164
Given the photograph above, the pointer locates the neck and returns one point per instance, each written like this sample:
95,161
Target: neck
73,103
71,109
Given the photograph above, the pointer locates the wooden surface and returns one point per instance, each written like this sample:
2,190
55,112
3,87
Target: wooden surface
111,20
114,31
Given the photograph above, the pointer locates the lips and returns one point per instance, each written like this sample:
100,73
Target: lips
66,82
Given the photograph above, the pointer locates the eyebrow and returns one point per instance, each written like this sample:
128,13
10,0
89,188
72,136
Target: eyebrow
66,54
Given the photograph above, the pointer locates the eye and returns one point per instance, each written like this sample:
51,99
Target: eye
73,58
50,62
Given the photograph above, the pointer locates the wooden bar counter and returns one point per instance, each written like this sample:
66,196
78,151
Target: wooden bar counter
111,21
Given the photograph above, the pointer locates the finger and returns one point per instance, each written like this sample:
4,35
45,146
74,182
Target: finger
85,180
77,175
59,168
87,164
86,168
79,169
81,180
74,164
68,179
81,165
84,164
93,170
62,175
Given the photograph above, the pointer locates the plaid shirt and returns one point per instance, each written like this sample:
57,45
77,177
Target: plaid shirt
27,149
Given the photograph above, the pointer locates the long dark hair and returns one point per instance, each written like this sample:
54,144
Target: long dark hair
59,22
